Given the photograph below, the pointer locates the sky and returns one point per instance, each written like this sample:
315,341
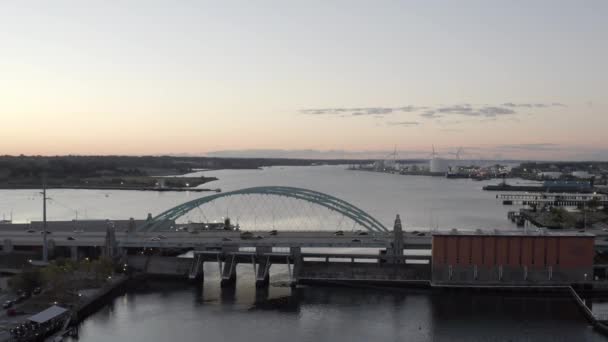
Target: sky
501,79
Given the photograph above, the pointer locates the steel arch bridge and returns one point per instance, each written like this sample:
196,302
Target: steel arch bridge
330,202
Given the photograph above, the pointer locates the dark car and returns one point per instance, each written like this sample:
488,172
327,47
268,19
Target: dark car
420,234
70,238
246,235
339,233
37,290
274,232
362,233
356,240
7,304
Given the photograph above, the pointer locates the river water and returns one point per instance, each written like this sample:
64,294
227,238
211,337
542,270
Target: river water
176,311
421,201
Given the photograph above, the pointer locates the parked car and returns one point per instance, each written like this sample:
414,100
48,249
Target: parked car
7,304
356,240
226,239
70,238
246,235
274,232
339,233
37,290
362,233
31,231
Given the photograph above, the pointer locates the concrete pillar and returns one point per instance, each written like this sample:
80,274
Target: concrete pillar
296,256
7,246
51,248
196,272
74,253
110,241
262,277
397,241
229,272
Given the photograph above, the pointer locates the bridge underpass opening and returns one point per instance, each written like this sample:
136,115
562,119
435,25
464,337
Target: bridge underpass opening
266,209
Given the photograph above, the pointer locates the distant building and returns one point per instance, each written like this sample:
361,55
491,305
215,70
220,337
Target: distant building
550,174
512,258
581,174
439,165
567,186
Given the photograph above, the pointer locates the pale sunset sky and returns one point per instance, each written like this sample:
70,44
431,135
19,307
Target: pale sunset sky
505,79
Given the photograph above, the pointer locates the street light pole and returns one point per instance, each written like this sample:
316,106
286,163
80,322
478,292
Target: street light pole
45,247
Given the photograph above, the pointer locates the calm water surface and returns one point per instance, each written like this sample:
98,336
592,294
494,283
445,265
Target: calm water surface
176,311
422,201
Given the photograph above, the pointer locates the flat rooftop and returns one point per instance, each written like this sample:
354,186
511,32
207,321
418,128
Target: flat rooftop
529,232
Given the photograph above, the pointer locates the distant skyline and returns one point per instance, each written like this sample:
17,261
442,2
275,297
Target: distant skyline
503,80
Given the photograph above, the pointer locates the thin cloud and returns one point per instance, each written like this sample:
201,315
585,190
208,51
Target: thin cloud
363,111
468,110
484,112
403,123
533,105
530,147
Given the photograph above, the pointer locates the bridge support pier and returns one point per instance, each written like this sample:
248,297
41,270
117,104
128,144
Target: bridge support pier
7,246
74,253
196,269
262,274
262,277
296,256
229,272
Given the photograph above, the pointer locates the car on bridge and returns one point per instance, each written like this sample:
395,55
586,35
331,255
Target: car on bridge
246,235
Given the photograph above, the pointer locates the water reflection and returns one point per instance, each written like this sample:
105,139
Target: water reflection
331,314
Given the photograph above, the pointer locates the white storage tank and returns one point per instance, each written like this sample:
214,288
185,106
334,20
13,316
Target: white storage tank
581,174
439,165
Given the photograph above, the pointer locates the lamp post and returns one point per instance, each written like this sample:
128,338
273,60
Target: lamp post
45,247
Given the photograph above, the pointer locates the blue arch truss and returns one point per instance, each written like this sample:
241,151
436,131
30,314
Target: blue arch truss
319,198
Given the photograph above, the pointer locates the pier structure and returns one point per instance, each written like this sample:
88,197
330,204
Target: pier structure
553,199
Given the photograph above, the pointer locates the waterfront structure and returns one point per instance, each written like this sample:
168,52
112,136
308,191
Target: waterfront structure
512,258
439,165
490,258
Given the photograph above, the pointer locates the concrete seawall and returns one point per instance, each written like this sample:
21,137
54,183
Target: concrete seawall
160,266
593,319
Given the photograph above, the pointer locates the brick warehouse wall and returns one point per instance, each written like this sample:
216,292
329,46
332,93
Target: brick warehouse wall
512,259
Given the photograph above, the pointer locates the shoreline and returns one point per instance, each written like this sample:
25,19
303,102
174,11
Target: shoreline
117,188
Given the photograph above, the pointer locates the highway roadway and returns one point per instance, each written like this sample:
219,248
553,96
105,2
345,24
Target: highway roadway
21,235
217,238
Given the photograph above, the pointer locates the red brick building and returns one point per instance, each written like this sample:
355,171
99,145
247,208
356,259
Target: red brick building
512,257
